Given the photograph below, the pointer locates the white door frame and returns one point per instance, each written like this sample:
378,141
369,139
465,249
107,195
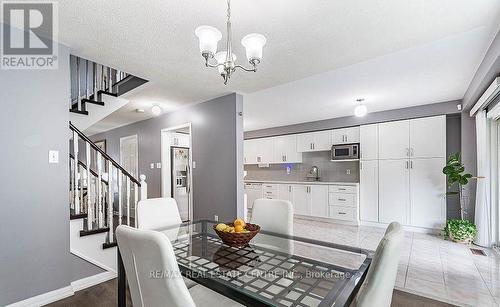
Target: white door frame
122,139
165,164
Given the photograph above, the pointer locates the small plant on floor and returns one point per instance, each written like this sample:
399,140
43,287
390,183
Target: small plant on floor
460,230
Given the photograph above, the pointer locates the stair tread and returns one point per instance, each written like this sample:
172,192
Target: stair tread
109,244
93,231
107,93
77,216
79,111
85,100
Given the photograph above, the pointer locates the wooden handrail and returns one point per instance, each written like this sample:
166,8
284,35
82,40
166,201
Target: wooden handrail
105,155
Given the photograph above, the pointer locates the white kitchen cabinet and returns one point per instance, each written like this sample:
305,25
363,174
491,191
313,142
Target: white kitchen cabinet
253,191
368,138
394,191
314,141
393,140
285,150
318,197
428,137
368,190
345,135
258,151
427,193
285,192
180,139
301,204
250,151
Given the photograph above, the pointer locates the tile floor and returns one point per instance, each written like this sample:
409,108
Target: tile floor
429,266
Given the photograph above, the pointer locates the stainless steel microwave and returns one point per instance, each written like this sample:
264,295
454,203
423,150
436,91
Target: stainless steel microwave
345,152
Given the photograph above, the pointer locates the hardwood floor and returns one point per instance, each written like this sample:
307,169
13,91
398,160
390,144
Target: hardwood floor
104,295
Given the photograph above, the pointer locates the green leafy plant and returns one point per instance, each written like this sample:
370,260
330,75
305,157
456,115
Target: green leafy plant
460,230
456,176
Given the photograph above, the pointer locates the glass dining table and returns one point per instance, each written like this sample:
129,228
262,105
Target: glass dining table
272,270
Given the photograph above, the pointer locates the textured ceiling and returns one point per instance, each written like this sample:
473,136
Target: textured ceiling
155,39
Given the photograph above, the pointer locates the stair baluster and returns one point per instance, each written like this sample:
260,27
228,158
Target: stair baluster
78,97
128,201
75,174
89,187
120,196
110,200
99,190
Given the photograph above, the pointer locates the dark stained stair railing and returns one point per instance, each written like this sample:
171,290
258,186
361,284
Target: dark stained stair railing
95,178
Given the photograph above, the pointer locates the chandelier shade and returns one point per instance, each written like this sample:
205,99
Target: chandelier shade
208,37
253,44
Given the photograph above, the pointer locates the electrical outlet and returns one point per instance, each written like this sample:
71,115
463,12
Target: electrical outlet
53,156
158,165
348,171
152,165
216,218
288,170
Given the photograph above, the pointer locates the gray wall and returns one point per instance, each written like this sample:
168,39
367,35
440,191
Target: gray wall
34,223
217,133
487,71
449,107
453,145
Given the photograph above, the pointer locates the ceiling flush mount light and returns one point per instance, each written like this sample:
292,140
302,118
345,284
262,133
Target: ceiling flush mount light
156,110
360,110
224,61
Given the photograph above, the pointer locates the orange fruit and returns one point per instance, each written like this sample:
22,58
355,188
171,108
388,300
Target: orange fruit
239,221
239,228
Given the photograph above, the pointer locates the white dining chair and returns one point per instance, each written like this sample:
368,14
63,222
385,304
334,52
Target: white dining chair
273,215
378,286
147,252
157,213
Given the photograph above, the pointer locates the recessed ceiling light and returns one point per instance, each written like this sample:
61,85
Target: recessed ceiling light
139,110
360,110
156,110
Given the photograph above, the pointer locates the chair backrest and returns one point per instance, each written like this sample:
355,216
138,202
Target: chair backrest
378,286
273,215
156,213
152,272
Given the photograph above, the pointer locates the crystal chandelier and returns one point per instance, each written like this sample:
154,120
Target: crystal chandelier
224,61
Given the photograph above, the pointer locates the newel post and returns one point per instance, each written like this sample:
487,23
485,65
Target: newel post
144,187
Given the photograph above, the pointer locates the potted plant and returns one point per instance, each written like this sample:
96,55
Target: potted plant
458,230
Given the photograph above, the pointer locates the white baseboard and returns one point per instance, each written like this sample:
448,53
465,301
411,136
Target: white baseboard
93,261
407,228
62,293
45,298
90,281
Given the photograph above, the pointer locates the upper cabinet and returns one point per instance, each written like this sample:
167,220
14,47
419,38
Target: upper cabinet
415,138
258,151
428,137
393,140
345,136
368,139
285,150
314,141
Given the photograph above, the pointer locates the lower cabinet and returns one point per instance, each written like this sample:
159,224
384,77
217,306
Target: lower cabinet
368,190
311,200
393,191
286,192
301,203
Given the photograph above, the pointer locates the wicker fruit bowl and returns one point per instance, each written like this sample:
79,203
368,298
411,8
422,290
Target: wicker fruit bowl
238,239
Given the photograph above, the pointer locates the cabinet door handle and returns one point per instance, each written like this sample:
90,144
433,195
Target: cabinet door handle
406,164
411,164
289,188
284,158
341,213
341,189
341,199
258,159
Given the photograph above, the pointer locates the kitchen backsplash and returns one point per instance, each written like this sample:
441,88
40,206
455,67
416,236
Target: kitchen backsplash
329,171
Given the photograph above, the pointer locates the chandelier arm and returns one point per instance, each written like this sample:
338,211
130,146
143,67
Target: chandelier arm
254,69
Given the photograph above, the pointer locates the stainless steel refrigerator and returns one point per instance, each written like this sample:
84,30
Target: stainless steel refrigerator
180,179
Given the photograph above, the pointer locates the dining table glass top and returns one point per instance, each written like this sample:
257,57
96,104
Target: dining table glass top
272,270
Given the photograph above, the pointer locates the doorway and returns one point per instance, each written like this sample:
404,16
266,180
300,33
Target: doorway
176,171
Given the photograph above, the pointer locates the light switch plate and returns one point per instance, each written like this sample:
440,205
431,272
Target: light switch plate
53,156
152,165
158,165
194,164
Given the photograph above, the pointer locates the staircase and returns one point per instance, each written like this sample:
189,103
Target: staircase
96,91
103,195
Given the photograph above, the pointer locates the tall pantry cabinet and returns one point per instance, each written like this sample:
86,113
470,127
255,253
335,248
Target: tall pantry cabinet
411,187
